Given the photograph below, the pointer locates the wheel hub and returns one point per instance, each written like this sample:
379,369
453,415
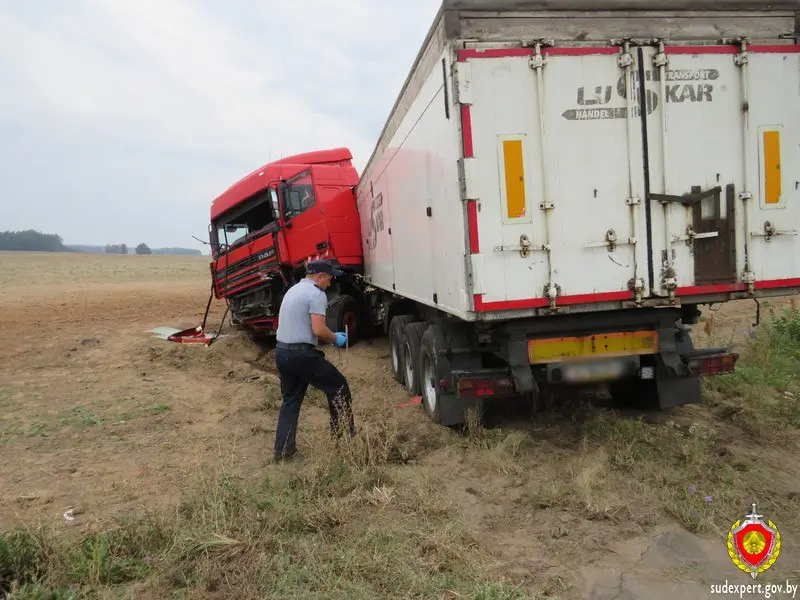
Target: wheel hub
428,386
395,357
409,366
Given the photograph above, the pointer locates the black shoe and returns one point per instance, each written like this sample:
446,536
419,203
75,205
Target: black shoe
284,457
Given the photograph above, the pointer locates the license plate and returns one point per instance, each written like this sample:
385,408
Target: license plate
605,345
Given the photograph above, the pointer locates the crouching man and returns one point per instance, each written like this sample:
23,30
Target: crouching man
301,324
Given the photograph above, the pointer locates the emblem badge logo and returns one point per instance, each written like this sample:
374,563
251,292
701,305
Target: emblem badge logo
753,544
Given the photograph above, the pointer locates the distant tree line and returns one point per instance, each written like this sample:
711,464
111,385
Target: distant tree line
32,241
35,241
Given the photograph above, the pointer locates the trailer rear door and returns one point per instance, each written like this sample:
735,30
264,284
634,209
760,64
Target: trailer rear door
554,163
723,146
599,173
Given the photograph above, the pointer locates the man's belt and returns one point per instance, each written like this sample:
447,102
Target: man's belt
302,346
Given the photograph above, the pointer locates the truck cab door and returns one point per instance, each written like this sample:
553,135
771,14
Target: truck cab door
304,231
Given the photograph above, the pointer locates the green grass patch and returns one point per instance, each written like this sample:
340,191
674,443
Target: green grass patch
699,470
142,411
763,395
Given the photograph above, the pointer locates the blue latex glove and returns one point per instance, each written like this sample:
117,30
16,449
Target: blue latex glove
341,339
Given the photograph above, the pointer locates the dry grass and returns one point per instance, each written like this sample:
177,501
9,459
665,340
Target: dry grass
349,523
406,510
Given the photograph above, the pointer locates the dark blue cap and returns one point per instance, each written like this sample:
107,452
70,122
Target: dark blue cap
323,266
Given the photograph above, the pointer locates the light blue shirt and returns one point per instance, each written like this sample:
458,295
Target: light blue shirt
294,319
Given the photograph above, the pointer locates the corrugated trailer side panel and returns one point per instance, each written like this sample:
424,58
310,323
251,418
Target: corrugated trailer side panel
409,199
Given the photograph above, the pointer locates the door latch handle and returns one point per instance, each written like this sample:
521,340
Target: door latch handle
686,199
524,248
691,235
769,231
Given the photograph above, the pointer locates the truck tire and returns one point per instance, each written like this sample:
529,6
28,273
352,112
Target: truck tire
344,311
396,327
432,368
412,340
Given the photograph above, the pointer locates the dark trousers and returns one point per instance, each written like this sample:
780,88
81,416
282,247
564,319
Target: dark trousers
297,370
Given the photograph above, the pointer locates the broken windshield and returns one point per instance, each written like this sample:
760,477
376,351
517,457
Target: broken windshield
250,219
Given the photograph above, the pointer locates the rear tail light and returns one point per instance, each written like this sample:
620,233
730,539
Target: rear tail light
481,387
714,365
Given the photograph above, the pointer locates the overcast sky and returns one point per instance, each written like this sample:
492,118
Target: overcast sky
121,120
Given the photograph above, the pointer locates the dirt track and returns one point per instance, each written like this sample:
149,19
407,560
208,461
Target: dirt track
97,414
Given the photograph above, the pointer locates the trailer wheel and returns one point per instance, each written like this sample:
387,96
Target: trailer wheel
396,345
344,311
412,339
432,367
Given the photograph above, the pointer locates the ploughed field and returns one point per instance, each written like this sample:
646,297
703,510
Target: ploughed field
134,467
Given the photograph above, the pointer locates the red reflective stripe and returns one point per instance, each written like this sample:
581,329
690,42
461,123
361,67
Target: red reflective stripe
723,288
587,298
776,48
466,54
719,288
466,130
773,48
602,50
771,284
472,221
482,306
697,290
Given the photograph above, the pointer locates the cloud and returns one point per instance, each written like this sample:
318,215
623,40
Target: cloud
121,121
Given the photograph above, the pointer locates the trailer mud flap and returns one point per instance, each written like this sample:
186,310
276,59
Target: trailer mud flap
677,391
454,410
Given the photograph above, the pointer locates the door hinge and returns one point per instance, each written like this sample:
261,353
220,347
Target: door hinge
637,287
465,167
538,60
741,59
462,74
669,282
552,291
660,58
635,200
546,206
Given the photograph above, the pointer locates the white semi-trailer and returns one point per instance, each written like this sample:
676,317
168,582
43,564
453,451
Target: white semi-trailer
561,184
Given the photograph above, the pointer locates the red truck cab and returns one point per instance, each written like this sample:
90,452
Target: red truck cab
268,225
